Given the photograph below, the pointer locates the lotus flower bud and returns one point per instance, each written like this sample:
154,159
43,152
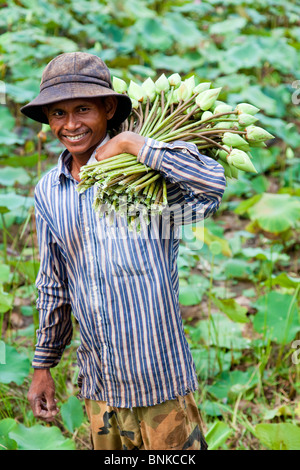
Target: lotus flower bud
119,85
174,98
207,98
222,154
241,160
206,115
201,87
190,83
135,103
246,119
235,140
182,92
234,172
149,89
257,134
225,125
260,145
174,80
136,92
227,169
189,110
162,84
222,108
246,108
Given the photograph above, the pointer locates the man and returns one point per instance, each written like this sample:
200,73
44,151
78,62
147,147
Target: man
136,371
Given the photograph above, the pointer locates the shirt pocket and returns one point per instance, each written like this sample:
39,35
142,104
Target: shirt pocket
128,256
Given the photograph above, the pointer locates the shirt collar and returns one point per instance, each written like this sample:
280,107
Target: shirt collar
64,161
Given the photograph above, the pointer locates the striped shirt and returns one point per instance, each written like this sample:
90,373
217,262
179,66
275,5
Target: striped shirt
121,287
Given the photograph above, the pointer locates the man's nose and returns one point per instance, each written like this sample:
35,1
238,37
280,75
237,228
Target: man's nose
72,123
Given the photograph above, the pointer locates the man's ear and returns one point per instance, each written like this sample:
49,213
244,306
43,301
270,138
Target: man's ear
110,104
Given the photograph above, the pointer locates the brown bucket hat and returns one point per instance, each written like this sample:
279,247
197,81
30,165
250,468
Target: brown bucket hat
76,75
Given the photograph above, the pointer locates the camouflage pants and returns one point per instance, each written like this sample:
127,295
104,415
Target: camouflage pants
172,425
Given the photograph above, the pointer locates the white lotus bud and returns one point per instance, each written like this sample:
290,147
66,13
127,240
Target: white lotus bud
162,84
119,85
174,80
136,92
207,98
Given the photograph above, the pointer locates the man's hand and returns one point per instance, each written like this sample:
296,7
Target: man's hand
41,395
125,142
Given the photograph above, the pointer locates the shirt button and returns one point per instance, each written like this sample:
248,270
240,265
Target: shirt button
87,229
184,150
95,288
91,258
83,197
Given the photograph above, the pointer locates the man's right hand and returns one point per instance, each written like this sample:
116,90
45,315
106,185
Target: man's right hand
41,395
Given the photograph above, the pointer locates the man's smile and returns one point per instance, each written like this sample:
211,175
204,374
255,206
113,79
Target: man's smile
75,138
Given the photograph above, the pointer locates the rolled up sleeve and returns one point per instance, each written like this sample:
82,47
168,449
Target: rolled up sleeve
194,180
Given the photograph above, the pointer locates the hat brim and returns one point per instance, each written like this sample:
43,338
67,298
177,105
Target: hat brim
75,90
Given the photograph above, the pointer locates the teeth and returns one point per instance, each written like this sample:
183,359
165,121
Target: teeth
75,137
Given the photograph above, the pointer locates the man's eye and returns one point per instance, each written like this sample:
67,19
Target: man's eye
57,113
83,108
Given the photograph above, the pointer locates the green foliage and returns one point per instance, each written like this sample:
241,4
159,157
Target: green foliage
36,437
277,317
72,414
282,436
217,435
16,367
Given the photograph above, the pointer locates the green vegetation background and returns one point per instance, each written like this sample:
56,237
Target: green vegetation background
239,277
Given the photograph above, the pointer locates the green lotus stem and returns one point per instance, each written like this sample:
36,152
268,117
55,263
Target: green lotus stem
128,179
178,131
146,110
167,127
180,108
115,167
218,131
151,115
150,191
137,170
124,180
212,118
159,195
155,191
187,117
111,182
145,192
140,186
213,142
142,180
165,192
165,108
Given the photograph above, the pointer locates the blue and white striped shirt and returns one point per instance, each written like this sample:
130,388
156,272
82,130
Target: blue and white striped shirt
122,288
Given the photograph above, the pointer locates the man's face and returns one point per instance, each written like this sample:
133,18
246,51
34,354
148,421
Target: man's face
80,124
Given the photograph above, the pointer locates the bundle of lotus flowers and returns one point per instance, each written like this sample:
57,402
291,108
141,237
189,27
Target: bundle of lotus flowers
172,109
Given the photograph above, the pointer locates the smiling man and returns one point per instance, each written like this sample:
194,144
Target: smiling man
136,371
